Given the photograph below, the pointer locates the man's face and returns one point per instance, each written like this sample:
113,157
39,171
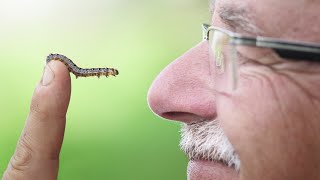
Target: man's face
269,127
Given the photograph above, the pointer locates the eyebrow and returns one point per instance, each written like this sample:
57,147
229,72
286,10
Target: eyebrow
212,5
237,18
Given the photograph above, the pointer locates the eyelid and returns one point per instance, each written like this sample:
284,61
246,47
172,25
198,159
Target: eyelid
256,55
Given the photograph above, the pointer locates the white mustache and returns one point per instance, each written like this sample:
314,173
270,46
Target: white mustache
207,141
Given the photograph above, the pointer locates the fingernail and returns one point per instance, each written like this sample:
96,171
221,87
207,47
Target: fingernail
47,76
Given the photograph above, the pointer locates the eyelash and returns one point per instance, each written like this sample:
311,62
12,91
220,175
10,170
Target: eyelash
79,72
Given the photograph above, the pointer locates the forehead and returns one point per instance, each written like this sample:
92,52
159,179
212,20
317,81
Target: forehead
282,19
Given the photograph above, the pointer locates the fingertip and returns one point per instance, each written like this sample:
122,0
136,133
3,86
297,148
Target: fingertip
52,95
57,72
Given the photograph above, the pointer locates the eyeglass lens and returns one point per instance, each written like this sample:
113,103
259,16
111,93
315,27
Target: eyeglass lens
225,61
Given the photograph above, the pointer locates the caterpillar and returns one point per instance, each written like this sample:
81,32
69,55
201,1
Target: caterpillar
80,72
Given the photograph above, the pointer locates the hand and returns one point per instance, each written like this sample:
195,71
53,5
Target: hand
37,152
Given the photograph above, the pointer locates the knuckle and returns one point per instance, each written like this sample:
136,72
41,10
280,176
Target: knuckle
9,175
20,162
22,157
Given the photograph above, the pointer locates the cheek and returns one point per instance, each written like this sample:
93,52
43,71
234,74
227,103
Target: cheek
250,107
262,106
248,116
267,110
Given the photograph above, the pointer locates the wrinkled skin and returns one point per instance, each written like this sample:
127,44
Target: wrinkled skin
273,118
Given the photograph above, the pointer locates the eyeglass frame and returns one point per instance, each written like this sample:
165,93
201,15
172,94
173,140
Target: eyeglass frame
291,50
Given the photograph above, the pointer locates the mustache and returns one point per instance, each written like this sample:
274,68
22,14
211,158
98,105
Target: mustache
206,141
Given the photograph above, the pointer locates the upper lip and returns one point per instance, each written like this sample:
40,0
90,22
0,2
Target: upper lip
197,122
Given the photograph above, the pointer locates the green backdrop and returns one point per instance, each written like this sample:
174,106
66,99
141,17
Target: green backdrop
111,132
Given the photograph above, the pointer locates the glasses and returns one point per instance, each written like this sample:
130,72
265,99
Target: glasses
226,48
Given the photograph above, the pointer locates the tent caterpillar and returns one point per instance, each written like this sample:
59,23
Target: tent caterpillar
79,72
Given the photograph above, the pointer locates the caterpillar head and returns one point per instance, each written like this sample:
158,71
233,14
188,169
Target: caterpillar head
114,72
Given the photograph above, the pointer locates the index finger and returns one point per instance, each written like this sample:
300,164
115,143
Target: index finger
37,152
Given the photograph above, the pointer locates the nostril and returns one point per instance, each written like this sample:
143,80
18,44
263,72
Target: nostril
184,117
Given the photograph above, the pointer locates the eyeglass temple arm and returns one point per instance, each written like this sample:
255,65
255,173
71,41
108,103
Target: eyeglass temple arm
287,50
293,51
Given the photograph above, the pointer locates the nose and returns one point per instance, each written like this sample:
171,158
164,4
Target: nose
184,91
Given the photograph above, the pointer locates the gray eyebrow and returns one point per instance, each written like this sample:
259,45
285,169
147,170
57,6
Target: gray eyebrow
212,5
238,18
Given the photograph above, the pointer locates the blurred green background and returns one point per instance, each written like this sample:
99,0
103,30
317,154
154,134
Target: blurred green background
111,132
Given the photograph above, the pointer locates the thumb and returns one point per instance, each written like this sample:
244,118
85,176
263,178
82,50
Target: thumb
37,152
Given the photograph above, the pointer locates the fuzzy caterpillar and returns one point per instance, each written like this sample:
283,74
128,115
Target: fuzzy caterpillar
80,72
